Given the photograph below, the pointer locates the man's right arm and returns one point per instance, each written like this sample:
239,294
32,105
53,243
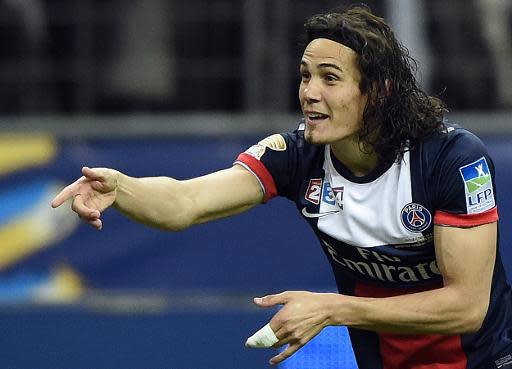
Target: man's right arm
171,204
162,202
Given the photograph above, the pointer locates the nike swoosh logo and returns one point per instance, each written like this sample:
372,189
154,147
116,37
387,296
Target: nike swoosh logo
307,214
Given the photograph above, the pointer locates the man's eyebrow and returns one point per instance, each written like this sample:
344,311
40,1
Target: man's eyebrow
329,65
322,65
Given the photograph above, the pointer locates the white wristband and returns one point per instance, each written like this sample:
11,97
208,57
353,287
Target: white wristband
264,338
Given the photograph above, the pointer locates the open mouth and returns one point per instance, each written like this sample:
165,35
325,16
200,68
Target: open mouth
316,117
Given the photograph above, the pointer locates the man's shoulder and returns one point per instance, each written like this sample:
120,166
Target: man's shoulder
453,138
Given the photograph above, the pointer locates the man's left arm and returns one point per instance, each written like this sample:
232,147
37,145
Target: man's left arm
465,257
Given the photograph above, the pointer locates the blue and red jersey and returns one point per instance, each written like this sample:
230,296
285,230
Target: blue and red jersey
377,233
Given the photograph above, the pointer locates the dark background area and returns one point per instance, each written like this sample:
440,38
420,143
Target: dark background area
109,56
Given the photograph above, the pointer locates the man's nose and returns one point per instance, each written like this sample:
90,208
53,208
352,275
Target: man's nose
312,91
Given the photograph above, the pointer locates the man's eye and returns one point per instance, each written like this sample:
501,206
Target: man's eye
304,75
331,78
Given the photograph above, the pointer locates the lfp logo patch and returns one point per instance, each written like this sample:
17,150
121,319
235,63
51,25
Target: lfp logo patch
478,186
415,217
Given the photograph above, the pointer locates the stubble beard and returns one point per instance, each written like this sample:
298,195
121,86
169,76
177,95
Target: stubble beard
311,138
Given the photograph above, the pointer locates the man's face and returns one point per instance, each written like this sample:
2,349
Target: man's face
329,93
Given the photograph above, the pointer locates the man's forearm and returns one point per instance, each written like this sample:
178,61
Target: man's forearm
441,311
174,205
155,201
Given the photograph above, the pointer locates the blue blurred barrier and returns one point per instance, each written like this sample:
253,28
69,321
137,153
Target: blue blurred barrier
103,336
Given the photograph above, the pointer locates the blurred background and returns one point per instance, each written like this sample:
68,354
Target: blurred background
180,88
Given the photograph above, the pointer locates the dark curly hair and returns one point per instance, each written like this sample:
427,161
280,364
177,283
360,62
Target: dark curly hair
399,114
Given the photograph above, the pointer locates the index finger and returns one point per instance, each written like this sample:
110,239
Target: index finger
67,193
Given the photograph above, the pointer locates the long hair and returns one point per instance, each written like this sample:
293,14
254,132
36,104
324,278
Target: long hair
398,114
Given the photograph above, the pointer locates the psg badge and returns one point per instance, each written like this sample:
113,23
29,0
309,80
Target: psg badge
415,217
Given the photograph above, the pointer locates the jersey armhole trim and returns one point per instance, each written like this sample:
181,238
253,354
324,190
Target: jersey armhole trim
466,220
259,170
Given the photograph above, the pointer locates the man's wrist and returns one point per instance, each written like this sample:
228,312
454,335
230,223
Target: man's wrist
119,186
333,309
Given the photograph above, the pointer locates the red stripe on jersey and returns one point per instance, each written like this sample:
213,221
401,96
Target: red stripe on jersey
259,169
466,220
414,351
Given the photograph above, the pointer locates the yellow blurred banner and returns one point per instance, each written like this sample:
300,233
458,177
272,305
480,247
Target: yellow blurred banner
24,151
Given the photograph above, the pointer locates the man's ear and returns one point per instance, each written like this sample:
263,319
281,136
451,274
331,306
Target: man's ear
384,91
389,86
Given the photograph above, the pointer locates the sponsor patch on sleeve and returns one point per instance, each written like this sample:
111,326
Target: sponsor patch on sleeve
275,142
478,186
256,151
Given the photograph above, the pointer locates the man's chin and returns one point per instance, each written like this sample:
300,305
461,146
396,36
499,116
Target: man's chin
313,138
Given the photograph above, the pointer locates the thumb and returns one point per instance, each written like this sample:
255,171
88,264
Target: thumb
101,179
92,174
272,300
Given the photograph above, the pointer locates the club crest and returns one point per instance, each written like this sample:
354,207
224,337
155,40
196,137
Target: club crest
415,217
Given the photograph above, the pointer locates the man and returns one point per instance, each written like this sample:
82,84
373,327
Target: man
403,205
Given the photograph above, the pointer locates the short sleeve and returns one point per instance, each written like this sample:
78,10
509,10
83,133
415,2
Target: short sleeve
273,162
464,187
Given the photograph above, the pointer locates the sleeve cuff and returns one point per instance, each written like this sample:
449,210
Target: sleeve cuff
259,170
465,220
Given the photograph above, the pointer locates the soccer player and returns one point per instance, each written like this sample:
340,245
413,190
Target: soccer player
402,202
